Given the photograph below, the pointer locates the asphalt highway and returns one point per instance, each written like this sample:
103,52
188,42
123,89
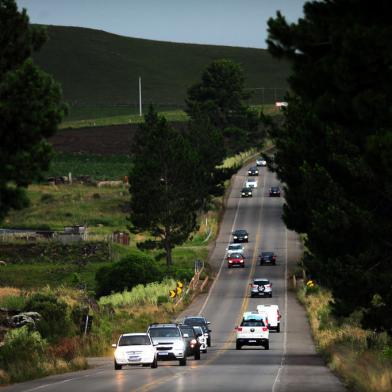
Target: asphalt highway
291,363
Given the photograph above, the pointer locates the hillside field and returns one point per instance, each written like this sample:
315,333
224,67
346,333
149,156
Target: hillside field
99,71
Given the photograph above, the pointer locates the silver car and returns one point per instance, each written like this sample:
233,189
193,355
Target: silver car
261,287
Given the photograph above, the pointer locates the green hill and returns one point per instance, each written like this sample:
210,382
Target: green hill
99,69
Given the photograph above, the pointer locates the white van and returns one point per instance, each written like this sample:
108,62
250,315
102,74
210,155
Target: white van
274,315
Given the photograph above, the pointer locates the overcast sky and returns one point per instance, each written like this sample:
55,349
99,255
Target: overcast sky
217,22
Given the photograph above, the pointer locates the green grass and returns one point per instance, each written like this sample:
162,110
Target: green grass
97,166
32,276
99,71
95,119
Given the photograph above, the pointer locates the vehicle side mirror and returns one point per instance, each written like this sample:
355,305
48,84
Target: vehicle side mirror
209,330
114,345
208,323
155,344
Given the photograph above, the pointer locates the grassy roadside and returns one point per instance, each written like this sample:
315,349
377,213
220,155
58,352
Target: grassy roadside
363,359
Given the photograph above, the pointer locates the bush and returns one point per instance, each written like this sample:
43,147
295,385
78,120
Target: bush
136,268
22,345
55,321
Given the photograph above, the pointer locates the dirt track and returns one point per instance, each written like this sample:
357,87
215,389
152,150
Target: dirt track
106,140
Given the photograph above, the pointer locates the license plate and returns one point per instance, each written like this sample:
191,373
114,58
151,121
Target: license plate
163,353
133,358
252,341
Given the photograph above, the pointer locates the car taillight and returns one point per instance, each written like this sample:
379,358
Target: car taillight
265,329
279,315
241,261
193,341
267,286
255,286
239,329
273,257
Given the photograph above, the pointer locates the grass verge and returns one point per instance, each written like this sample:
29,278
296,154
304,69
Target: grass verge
363,359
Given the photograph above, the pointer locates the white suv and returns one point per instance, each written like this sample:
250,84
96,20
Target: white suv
235,248
251,183
134,349
169,342
252,332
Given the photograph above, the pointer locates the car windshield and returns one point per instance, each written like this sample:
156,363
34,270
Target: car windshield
195,321
252,323
136,340
261,282
240,232
251,180
235,247
266,254
198,330
188,329
236,255
164,332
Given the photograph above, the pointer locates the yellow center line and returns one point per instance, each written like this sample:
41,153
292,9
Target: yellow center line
230,341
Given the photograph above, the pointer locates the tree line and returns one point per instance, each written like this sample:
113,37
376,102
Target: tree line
334,149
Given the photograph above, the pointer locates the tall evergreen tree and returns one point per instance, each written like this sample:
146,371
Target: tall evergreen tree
334,149
30,107
166,184
220,97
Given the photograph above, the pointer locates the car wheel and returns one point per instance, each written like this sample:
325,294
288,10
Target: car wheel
183,361
238,346
146,365
229,266
204,351
243,266
266,346
197,355
274,262
117,366
270,295
154,365
278,328
209,342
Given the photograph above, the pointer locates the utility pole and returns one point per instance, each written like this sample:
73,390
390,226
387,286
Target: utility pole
140,96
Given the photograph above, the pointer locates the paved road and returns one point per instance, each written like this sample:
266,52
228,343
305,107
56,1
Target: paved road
291,364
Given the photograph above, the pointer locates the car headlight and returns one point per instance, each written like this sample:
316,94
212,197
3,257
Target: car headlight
235,237
246,236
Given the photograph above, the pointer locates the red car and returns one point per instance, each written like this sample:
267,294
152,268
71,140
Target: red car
236,260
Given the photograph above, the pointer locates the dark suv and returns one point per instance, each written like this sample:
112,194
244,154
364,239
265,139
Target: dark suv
199,321
193,345
246,192
274,191
240,236
253,171
267,258
169,341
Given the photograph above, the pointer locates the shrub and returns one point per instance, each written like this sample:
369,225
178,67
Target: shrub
136,268
22,346
55,322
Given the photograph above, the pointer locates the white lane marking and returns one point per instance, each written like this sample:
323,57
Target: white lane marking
283,361
62,381
221,266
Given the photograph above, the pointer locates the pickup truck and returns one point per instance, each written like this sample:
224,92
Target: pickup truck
252,332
